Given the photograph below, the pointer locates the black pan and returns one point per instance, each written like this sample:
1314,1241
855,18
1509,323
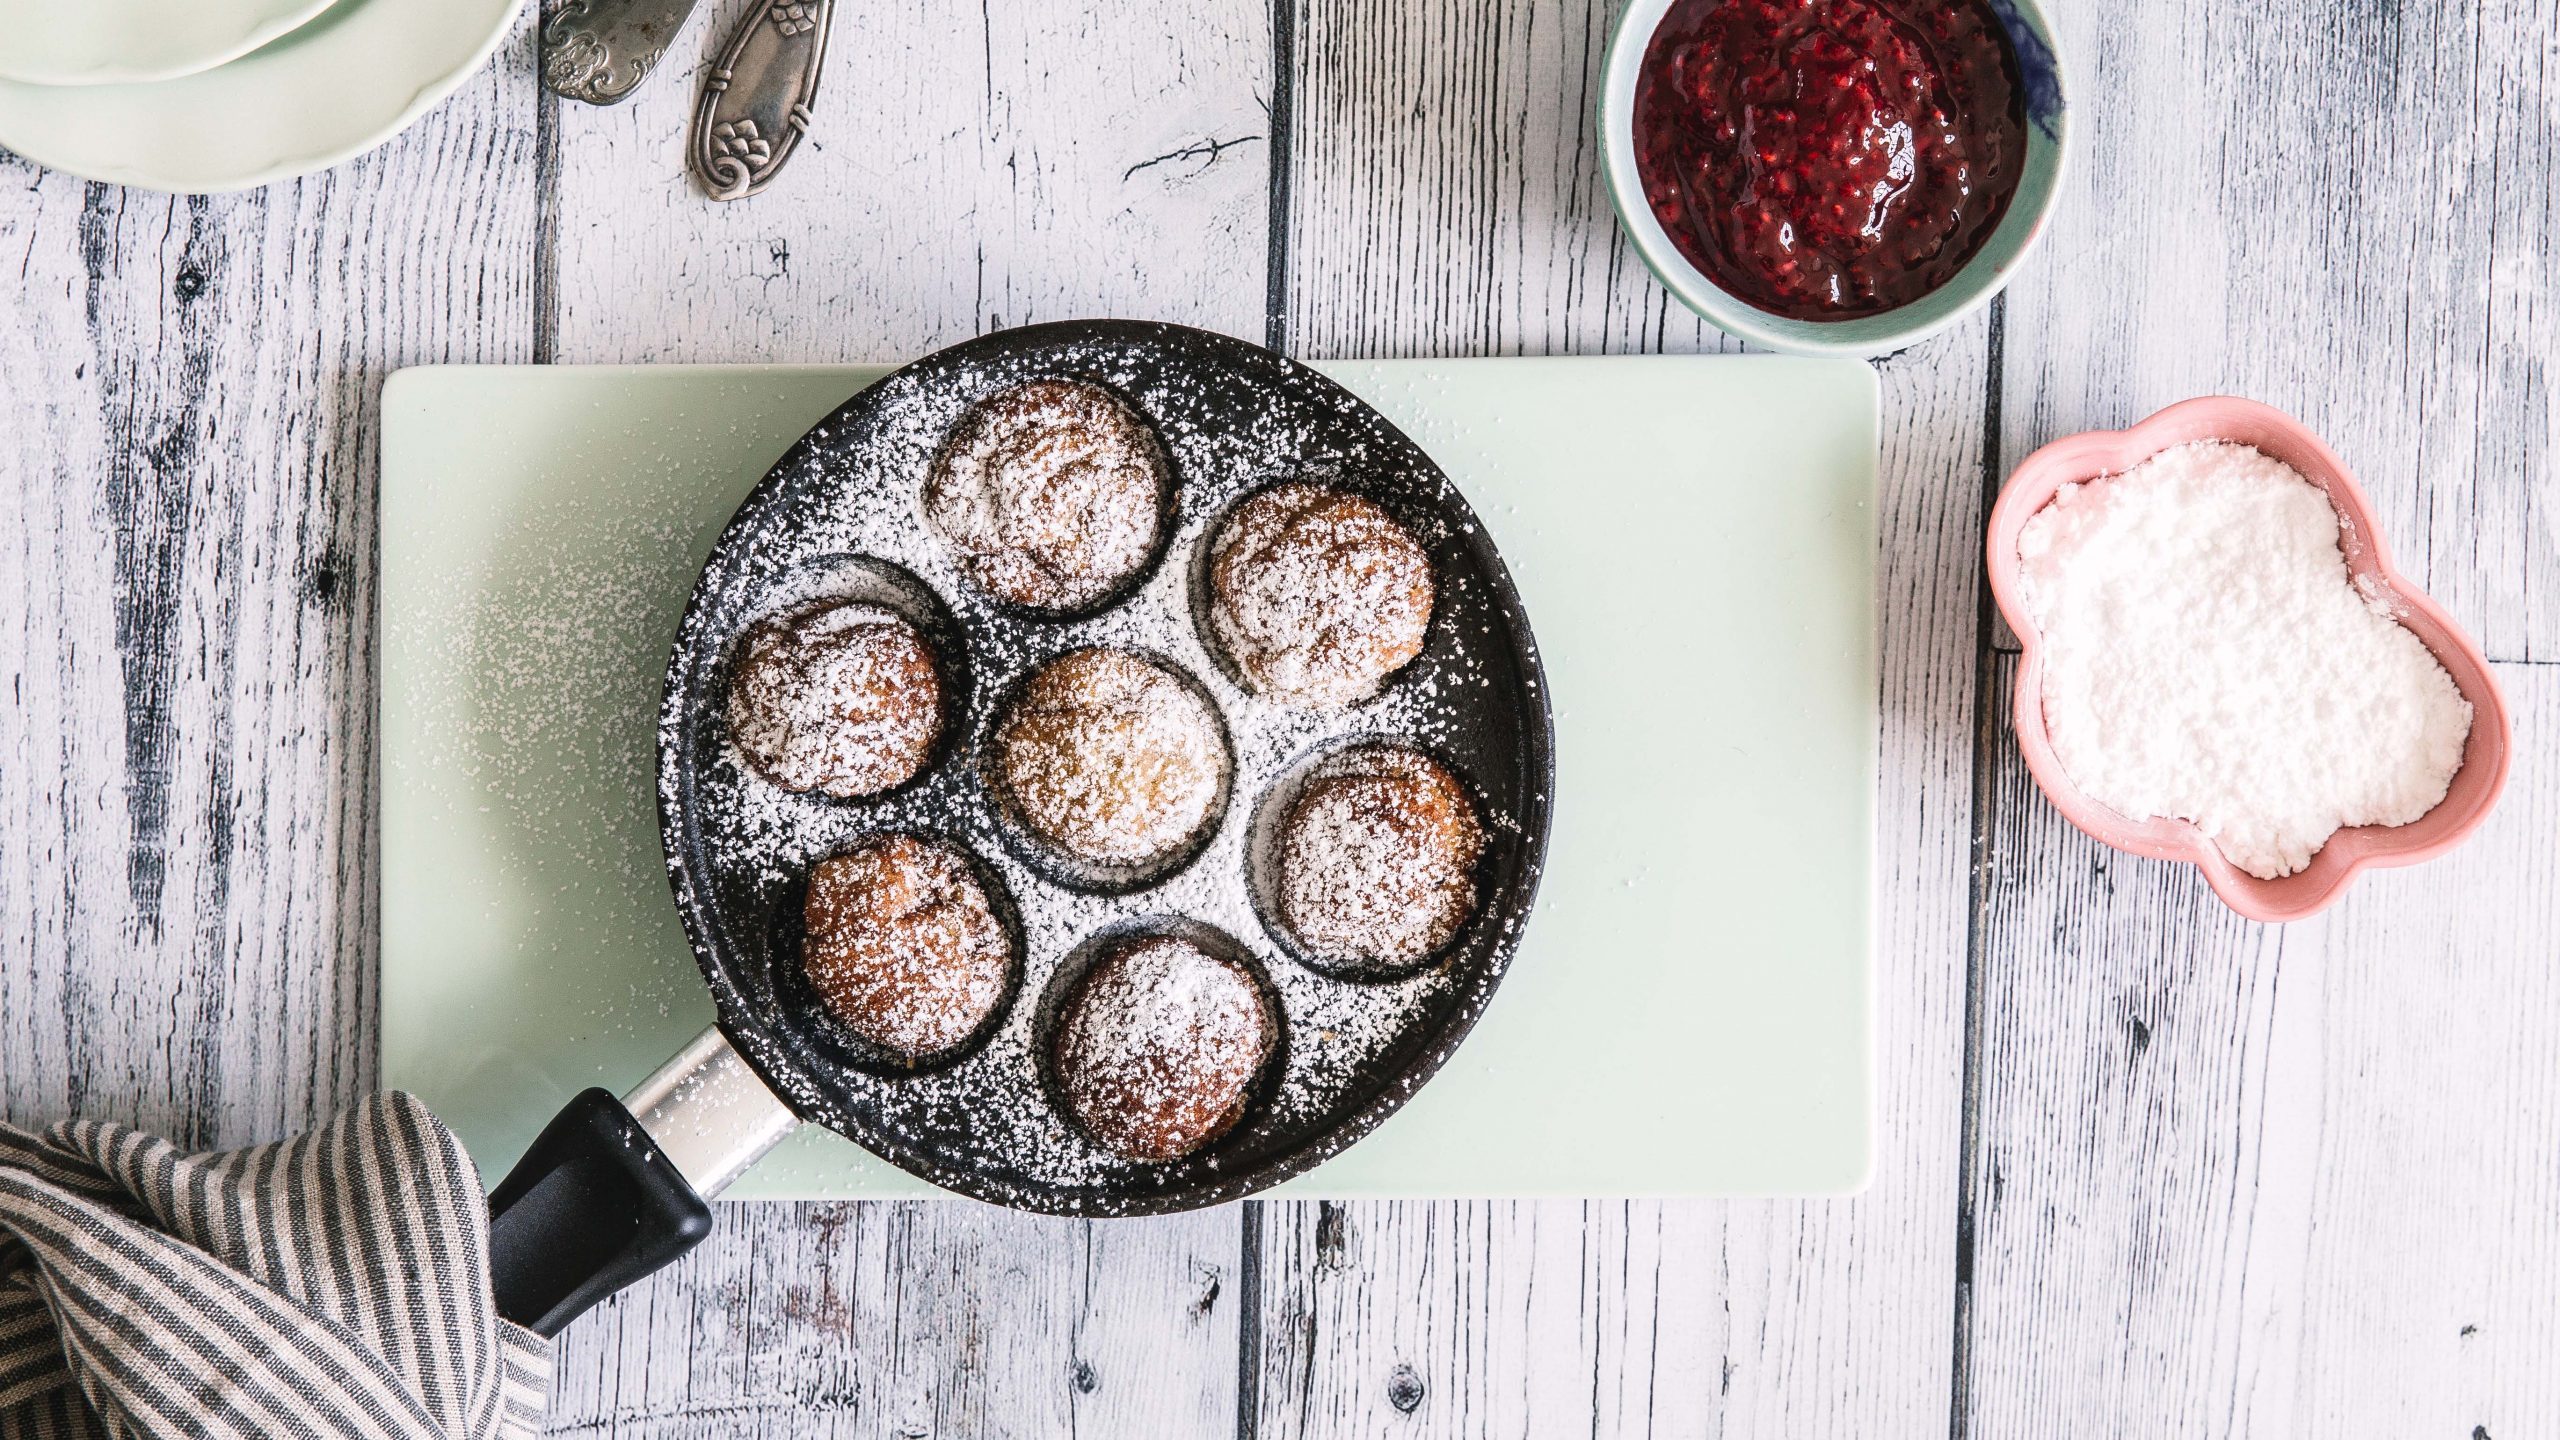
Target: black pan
839,514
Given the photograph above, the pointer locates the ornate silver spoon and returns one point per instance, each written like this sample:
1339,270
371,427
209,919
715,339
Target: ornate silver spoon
759,100
600,50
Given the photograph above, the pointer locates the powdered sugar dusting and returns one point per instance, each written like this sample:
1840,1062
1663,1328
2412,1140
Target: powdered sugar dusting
903,946
1110,757
1051,492
1378,856
844,699
1317,595
1158,1045
988,1121
2206,657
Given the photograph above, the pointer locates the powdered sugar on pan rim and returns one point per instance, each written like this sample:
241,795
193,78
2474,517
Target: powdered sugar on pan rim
865,501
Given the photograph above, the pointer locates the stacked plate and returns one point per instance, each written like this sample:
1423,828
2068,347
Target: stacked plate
208,95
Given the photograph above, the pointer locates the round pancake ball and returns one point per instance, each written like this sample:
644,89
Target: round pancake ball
843,699
1378,858
902,945
1158,1047
1051,495
1317,595
1111,758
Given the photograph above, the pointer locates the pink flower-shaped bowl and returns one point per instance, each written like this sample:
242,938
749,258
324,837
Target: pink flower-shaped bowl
2318,885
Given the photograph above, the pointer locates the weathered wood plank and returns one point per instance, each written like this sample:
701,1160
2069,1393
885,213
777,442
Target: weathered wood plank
1644,1317
2245,1180
972,167
186,588
2346,213
2234,1179
917,1319
1445,191
1445,200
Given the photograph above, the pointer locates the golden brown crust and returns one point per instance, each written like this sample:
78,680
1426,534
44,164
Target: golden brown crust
1378,858
1052,494
903,946
1317,595
1158,1048
1110,757
843,698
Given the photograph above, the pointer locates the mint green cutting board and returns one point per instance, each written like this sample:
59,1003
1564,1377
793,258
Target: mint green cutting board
1690,1012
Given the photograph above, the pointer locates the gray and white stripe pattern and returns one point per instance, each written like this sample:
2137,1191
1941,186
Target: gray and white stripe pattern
332,1285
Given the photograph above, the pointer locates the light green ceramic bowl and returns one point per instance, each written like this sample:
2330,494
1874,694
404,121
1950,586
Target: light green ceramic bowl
2048,142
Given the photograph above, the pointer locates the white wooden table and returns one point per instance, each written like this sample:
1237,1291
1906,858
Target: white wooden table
2144,1168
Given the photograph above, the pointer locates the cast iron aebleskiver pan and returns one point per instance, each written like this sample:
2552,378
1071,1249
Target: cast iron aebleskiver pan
839,514
1201,390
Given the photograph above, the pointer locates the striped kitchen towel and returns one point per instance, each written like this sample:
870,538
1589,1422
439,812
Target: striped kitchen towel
336,1284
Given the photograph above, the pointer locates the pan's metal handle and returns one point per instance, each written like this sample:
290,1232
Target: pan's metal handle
614,1190
710,1113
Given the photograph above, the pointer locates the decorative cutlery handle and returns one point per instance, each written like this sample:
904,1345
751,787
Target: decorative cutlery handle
758,101
600,50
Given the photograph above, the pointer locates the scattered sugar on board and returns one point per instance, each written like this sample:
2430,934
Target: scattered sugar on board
2208,658
541,658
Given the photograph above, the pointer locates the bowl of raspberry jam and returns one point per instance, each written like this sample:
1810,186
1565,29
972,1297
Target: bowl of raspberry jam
1833,176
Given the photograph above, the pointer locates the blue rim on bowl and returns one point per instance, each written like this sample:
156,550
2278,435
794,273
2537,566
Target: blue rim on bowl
2048,144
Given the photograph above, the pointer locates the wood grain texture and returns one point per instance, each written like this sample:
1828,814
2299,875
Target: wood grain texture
2346,213
917,1319
2179,1175
972,167
186,571
2247,1180
1445,199
2229,1179
1444,187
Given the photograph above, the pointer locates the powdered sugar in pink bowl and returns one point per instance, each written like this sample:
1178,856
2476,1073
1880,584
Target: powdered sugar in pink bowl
2475,786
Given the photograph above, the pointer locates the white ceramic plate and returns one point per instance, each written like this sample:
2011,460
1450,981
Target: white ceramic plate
331,90
110,42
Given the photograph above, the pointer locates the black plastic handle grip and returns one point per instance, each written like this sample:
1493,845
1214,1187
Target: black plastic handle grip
592,1207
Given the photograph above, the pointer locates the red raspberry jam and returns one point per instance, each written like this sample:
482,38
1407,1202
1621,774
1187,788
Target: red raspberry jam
1826,159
